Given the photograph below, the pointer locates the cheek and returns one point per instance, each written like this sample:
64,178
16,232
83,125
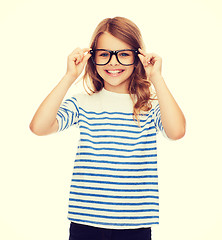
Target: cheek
131,70
99,70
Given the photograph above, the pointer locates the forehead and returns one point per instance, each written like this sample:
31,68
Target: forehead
108,41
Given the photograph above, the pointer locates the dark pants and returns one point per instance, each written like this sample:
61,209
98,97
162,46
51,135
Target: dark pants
85,232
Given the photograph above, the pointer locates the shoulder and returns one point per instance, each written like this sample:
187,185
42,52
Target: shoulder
154,104
153,109
84,96
86,100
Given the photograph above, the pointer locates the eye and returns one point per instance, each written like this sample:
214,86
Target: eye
124,54
103,54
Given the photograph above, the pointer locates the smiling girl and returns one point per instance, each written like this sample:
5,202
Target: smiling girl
114,188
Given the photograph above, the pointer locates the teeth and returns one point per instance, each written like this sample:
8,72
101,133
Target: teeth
115,71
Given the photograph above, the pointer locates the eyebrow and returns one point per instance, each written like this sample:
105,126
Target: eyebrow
124,49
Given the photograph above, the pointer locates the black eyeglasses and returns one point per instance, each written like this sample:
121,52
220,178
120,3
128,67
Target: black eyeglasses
125,57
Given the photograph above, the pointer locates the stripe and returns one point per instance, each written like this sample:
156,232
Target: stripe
116,169
113,224
115,189
60,117
115,183
116,130
111,196
68,114
111,217
111,162
115,210
120,150
96,119
107,118
120,137
117,204
122,143
105,112
74,103
114,176
113,124
116,156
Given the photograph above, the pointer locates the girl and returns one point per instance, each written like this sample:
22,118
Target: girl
114,187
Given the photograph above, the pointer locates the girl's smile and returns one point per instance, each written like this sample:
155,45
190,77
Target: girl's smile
114,72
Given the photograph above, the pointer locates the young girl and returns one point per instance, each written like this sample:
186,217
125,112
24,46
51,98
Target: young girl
114,188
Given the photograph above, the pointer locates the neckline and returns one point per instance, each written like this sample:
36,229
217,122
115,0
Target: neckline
115,94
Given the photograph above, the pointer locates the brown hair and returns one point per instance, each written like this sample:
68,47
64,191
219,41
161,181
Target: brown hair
140,86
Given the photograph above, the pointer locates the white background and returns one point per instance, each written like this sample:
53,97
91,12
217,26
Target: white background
35,172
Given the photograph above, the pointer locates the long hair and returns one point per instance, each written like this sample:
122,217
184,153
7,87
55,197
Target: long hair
139,86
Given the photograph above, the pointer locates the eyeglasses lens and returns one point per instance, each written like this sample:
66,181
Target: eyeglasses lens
101,57
125,57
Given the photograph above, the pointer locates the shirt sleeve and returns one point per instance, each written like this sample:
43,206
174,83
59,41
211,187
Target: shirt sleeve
68,114
157,120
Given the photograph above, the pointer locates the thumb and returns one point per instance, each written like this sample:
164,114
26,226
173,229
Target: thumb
142,59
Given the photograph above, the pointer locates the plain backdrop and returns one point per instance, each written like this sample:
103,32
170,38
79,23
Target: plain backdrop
35,172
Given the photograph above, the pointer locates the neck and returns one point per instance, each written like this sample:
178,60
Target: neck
122,88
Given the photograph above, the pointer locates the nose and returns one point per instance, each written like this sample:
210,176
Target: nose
113,60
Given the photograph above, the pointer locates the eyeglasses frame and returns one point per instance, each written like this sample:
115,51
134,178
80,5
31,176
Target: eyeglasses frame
136,52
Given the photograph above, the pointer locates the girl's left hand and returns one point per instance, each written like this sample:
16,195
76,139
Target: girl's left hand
152,64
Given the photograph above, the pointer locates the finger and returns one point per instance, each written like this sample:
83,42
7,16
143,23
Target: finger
142,52
141,57
86,58
75,51
149,56
144,57
144,60
82,53
86,50
82,58
77,60
78,56
73,55
154,57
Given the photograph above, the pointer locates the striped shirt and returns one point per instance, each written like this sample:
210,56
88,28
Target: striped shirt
115,179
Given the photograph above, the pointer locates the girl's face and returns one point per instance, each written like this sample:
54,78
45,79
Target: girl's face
116,76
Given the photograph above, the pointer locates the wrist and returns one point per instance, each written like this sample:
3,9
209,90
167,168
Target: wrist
156,80
69,78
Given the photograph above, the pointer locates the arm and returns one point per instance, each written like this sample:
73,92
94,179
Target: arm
44,121
172,118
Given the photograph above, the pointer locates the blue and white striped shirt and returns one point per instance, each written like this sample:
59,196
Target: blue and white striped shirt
115,179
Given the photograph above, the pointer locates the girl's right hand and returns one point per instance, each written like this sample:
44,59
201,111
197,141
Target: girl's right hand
76,62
